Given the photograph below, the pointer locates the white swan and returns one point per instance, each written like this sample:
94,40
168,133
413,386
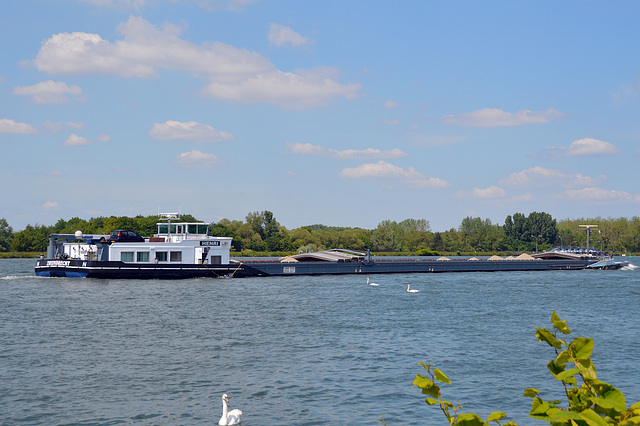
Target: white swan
368,283
233,417
409,290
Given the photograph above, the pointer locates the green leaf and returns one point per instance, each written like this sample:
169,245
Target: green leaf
635,420
562,327
470,419
554,316
567,373
531,392
426,366
592,418
427,386
587,369
615,398
555,368
538,407
581,347
431,401
635,406
496,415
441,377
563,357
566,415
545,335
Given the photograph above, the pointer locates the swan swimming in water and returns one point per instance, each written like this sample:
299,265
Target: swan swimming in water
409,290
368,283
232,417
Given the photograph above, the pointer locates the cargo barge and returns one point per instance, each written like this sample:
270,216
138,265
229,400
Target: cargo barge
186,250
346,262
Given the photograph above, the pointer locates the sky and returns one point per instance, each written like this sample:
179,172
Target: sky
322,112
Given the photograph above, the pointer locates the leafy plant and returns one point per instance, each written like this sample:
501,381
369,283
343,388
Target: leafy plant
431,388
591,402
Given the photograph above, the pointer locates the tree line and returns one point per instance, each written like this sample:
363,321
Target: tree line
261,232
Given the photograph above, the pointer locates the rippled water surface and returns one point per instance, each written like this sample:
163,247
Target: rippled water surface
298,350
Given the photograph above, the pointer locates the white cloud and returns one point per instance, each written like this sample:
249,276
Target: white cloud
10,126
390,104
279,35
196,159
188,131
382,169
493,117
540,177
75,124
590,146
75,140
50,205
49,92
55,126
233,74
489,193
596,194
301,90
346,154
119,4
104,137
368,153
143,49
304,149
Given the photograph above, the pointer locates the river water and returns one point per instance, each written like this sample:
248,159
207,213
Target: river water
325,350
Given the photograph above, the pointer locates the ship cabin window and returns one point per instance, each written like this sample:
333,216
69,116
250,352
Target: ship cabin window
142,256
197,228
126,256
175,256
163,229
161,256
216,260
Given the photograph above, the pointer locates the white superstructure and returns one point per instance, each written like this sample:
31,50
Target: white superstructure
185,243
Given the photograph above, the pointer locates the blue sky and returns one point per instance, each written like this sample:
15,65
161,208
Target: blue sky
332,112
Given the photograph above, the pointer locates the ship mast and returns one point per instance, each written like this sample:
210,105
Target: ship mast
588,227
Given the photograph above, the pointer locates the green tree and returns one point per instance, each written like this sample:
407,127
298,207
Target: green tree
6,235
415,234
542,226
386,237
32,238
